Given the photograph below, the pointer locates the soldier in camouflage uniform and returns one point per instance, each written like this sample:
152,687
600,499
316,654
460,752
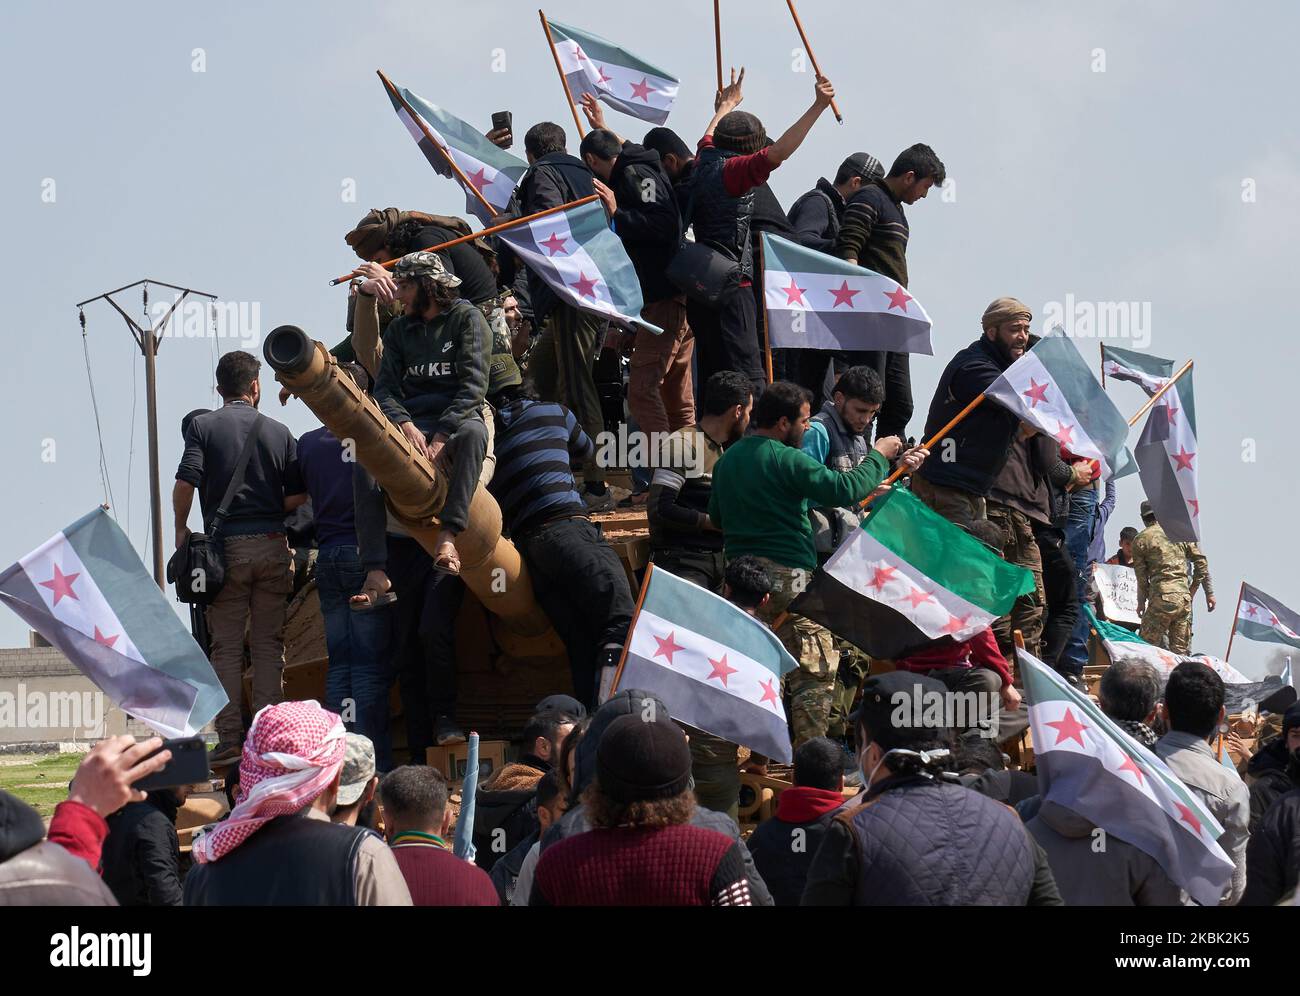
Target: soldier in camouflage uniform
1164,596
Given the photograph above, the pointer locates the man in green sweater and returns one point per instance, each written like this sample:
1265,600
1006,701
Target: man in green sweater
761,487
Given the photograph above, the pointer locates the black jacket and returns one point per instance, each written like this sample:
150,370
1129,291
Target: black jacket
1273,854
917,842
816,216
981,440
647,220
783,852
142,853
1275,773
477,284
554,179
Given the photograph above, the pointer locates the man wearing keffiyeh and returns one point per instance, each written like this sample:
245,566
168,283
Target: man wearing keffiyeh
278,846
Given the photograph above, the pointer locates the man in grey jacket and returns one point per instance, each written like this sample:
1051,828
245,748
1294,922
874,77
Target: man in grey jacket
1193,710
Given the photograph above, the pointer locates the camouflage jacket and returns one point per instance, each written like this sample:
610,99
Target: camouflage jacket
1161,565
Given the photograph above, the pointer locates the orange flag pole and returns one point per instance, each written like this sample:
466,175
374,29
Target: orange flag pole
560,69
929,443
460,173
477,235
640,599
717,40
807,48
1156,397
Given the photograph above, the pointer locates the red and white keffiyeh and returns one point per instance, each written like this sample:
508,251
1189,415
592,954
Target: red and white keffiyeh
292,753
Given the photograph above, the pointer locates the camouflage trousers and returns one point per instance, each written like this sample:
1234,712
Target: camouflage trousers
714,767
810,688
1167,621
1026,614
852,669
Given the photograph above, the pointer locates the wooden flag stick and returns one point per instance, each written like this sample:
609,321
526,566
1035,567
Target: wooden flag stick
477,235
1101,346
717,39
929,443
640,599
767,332
1236,613
807,48
1156,397
446,154
560,69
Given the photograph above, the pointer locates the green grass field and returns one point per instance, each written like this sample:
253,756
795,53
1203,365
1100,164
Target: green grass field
40,780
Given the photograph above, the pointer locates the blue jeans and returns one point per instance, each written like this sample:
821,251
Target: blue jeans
359,645
1078,537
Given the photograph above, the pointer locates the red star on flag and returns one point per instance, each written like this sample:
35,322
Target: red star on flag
585,286
1129,765
898,298
479,180
61,584
882,577
794,293
918,597
1065,434
642,89
769,692
1188,817
1171,413
1250,611
667,646
1037,392
1196,507
105,639
843,295
721,669
1183,459
579,54
603,78
555,244
1069,728
955,624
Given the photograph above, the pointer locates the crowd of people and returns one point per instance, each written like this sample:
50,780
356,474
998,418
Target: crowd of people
501,384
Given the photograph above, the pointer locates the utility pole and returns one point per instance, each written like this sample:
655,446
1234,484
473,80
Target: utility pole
149,339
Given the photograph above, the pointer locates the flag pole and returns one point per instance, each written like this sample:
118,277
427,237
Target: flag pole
929,443
1101,348
636,614
767,331
477,235
1156,397
460,174
807,48
717,39
1236,614
559,69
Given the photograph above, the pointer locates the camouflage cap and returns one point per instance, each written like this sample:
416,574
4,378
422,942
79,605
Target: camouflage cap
358,768
1146,511
1005,309
425,264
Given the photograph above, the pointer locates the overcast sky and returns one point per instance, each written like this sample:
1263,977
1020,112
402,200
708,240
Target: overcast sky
1113,152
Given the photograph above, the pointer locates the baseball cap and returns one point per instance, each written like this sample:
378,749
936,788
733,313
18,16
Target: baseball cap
358,768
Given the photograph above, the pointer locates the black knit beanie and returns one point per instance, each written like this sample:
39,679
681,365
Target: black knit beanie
641,761
740,131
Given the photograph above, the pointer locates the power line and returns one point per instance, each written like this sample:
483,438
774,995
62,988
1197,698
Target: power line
104,481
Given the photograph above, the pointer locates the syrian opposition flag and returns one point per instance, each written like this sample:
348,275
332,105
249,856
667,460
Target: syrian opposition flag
1150,373
86,591
612,74
493,171
907,578
1239,690
583,261
1270,635
815,301
1053,389
715,667
1166,458
1089,765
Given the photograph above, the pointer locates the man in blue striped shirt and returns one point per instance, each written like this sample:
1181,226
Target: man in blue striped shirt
577,577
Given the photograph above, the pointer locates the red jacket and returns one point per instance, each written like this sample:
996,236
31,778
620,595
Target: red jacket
741,174
981,650
79,830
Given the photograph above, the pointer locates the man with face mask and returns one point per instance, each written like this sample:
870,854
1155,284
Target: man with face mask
760,489
839,437
886,848
957,482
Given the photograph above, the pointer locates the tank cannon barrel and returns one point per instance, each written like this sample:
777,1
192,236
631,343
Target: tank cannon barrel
414,489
